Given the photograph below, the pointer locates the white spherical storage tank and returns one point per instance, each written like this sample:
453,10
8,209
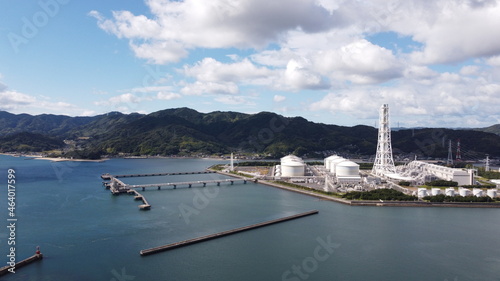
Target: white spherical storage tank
346,169
334,162
292,169
291,158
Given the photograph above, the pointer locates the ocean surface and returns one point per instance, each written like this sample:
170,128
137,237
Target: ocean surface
85,233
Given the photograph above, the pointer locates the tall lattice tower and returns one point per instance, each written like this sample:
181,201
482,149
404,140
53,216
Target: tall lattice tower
450,155
458,157
384,163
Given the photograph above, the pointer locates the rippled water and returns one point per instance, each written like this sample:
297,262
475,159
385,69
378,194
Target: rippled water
85,233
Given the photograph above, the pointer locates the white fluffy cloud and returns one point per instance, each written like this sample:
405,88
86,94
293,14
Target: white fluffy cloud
211,70
168,96
278,98
328,46
176,25
219,88
133,102
460,30
17,102
359,62
12,100
450,100
299,75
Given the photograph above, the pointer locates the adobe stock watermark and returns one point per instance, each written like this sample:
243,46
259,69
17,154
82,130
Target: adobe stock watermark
63,167
201,200
32,25
310,264
428,146
121,276
266,135
151,89
384,14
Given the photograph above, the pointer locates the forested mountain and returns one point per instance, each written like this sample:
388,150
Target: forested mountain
48,124
184,131
495,129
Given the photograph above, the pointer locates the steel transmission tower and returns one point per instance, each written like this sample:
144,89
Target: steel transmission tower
450,155
459,154
384,163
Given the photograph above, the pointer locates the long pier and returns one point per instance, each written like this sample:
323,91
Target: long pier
145,205
222,234
188,183
109,176
117,186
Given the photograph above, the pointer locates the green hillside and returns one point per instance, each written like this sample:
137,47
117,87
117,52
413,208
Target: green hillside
184,131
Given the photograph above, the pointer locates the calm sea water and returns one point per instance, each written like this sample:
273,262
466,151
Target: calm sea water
85,233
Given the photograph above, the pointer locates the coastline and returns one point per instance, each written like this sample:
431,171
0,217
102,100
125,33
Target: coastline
52,159
364,203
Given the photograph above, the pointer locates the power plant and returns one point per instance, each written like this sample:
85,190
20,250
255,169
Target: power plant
339,174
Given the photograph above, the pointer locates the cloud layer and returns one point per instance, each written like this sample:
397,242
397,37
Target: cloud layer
442,64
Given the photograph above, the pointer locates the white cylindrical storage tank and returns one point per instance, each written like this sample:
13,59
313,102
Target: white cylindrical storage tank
491,193
464,192
334,162
477,192
450,192
292,169
346,169
329,159
292,158
435,191
422,192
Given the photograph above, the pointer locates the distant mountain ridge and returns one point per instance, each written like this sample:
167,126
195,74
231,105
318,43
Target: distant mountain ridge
495,129
184,131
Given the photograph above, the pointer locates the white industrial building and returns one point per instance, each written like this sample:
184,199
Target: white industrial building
419,170
343,170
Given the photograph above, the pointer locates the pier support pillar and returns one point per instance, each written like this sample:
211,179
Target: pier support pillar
159,187
175,186
218,183
189,185
204,184
244,181
143,188
232,182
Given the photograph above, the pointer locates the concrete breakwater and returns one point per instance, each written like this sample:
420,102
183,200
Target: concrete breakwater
222,234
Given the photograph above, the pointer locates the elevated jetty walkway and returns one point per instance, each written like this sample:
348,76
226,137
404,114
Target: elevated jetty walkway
109,176
186,183
117,186
145,205
222,234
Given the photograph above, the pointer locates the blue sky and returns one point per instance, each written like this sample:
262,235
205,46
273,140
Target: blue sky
436,64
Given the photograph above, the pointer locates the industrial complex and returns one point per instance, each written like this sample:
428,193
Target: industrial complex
340,175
